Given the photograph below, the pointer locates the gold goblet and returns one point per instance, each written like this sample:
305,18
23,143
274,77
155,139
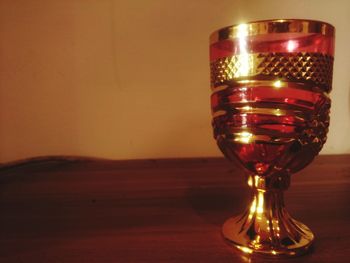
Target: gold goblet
270,82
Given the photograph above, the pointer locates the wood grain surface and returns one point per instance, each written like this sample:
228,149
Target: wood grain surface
84,210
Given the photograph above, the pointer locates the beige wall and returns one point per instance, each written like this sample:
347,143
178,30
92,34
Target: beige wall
130,79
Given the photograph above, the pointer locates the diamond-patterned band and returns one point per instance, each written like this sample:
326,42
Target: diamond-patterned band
302,67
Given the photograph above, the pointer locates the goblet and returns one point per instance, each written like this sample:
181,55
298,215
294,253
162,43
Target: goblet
270,82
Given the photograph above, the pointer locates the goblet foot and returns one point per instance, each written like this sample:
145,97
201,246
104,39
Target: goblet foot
240,232
266,227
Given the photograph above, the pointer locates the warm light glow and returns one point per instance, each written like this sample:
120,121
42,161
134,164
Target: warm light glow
256,180
278,112
253,206
245,249
243,57
245,81
260,207
277,84
250,181
256,242
244,137
291,45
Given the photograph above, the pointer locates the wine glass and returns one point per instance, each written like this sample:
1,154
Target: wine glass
270,103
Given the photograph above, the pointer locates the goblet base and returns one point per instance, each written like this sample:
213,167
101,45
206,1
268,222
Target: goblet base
254,234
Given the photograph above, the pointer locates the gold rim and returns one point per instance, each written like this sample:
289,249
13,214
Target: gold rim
273,26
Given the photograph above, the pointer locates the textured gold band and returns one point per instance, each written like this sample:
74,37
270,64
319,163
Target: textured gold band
301,67
274,26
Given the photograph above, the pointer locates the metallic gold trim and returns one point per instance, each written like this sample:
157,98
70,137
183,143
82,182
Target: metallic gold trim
246,137
242,85
235,108
257,110
316,68
265,111
266,227
273,26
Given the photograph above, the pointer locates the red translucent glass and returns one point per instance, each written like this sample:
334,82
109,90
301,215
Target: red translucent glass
299,108
282,42
282,127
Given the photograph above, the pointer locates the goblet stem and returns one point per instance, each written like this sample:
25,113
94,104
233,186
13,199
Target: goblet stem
266,227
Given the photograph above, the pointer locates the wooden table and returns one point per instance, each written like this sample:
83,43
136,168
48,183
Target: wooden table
83,210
